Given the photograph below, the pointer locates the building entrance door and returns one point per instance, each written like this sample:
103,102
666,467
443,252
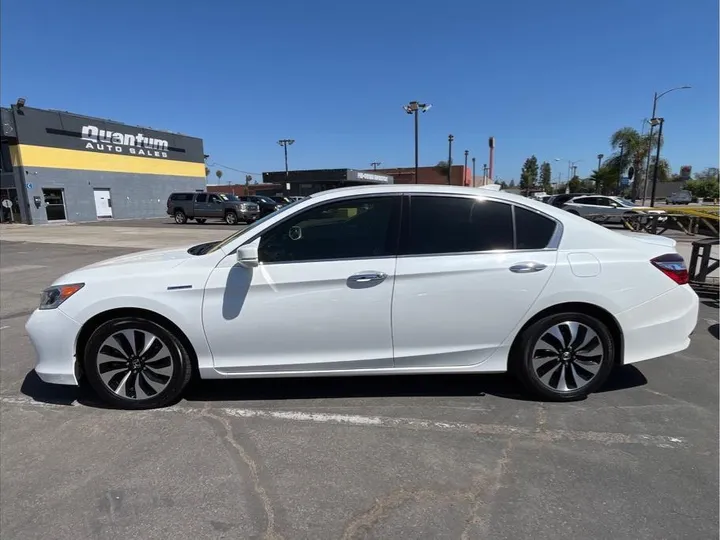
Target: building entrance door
54,204
103,206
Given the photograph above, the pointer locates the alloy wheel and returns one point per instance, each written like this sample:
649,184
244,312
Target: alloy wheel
135,364
567,356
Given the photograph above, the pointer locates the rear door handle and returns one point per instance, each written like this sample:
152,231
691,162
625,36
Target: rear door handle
368,277
527,267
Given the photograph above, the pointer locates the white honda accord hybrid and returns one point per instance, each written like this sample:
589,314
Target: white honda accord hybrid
367,281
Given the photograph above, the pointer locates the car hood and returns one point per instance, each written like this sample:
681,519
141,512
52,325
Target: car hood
144,262
151,256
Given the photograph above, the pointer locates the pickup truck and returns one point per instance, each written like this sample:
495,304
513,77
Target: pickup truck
204,206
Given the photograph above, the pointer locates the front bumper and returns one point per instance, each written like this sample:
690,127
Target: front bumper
53,334
248,216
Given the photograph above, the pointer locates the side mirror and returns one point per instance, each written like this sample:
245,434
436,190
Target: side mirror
247,255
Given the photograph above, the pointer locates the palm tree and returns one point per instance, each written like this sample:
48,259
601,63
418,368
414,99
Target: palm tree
635,148
218,173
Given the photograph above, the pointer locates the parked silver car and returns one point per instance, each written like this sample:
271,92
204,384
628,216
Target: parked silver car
605,208
680,197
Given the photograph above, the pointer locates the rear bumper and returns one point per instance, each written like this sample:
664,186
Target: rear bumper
661,326
53,335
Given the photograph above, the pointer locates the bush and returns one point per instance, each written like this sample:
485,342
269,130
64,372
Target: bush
707,189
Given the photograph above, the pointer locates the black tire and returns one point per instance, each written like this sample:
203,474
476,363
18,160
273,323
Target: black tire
529,355
131,378
180,217
200,220
231,218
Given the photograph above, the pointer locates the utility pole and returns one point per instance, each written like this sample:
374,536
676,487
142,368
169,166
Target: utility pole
656,96
450,141
656,121
465,166
412,108
285,143
375,165
485,171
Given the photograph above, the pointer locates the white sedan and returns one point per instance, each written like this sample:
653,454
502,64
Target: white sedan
606,208
373,280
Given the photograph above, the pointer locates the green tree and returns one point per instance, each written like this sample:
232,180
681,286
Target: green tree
529,174
575,184
512,184
546,177
705,184
442,168
635,148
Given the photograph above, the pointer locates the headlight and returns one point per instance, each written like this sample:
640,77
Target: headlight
243,207
52,297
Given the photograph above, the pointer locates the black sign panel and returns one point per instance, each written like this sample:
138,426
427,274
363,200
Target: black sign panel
57,129
305,177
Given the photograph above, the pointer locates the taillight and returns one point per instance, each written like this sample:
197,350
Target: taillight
673,266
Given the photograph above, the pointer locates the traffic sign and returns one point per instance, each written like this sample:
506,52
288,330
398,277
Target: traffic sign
7,203
29,186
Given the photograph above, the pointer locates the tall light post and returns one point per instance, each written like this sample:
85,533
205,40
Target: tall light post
375,165
485,171
600,156
473,168
285,143
412,108
654,122
465,166
622,149
650,143
449,171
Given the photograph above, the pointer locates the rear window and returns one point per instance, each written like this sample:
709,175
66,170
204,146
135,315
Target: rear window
532,230
181,197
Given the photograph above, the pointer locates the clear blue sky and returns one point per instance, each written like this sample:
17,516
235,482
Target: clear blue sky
553,78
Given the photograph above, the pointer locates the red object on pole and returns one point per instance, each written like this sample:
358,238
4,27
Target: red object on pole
491,143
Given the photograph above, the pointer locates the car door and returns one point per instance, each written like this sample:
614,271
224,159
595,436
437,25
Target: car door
200,207
215,207
468,271
320,299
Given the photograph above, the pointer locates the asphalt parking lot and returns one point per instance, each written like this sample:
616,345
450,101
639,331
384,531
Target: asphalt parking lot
355,458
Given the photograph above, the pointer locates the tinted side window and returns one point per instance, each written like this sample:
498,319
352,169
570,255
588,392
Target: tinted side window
181,197
583,200
457,225
532,230
213,198
352,229
202,197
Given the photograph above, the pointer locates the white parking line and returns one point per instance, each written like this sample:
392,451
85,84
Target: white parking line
20,268
604,438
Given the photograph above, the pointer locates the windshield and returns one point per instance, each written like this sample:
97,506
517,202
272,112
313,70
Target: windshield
265,199
624,202
228,197
240,233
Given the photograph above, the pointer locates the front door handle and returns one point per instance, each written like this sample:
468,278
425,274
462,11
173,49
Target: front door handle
368,277
527,267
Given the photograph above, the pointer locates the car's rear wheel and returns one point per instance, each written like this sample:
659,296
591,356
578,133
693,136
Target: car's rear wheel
180,217
565,356
200,220
231,218
134,363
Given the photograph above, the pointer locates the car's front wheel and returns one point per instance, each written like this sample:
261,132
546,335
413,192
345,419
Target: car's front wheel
135,363
565,356
231,218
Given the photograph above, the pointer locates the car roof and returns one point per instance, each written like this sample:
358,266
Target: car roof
436,189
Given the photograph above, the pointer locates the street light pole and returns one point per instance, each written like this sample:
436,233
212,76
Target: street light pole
650,143
449,171
375,165
465,166
412,108
655,121
285,143
622,150
600,156
473,172
485,170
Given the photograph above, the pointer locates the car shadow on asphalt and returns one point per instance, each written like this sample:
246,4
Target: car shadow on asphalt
294,388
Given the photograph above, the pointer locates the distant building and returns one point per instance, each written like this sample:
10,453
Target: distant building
59,166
